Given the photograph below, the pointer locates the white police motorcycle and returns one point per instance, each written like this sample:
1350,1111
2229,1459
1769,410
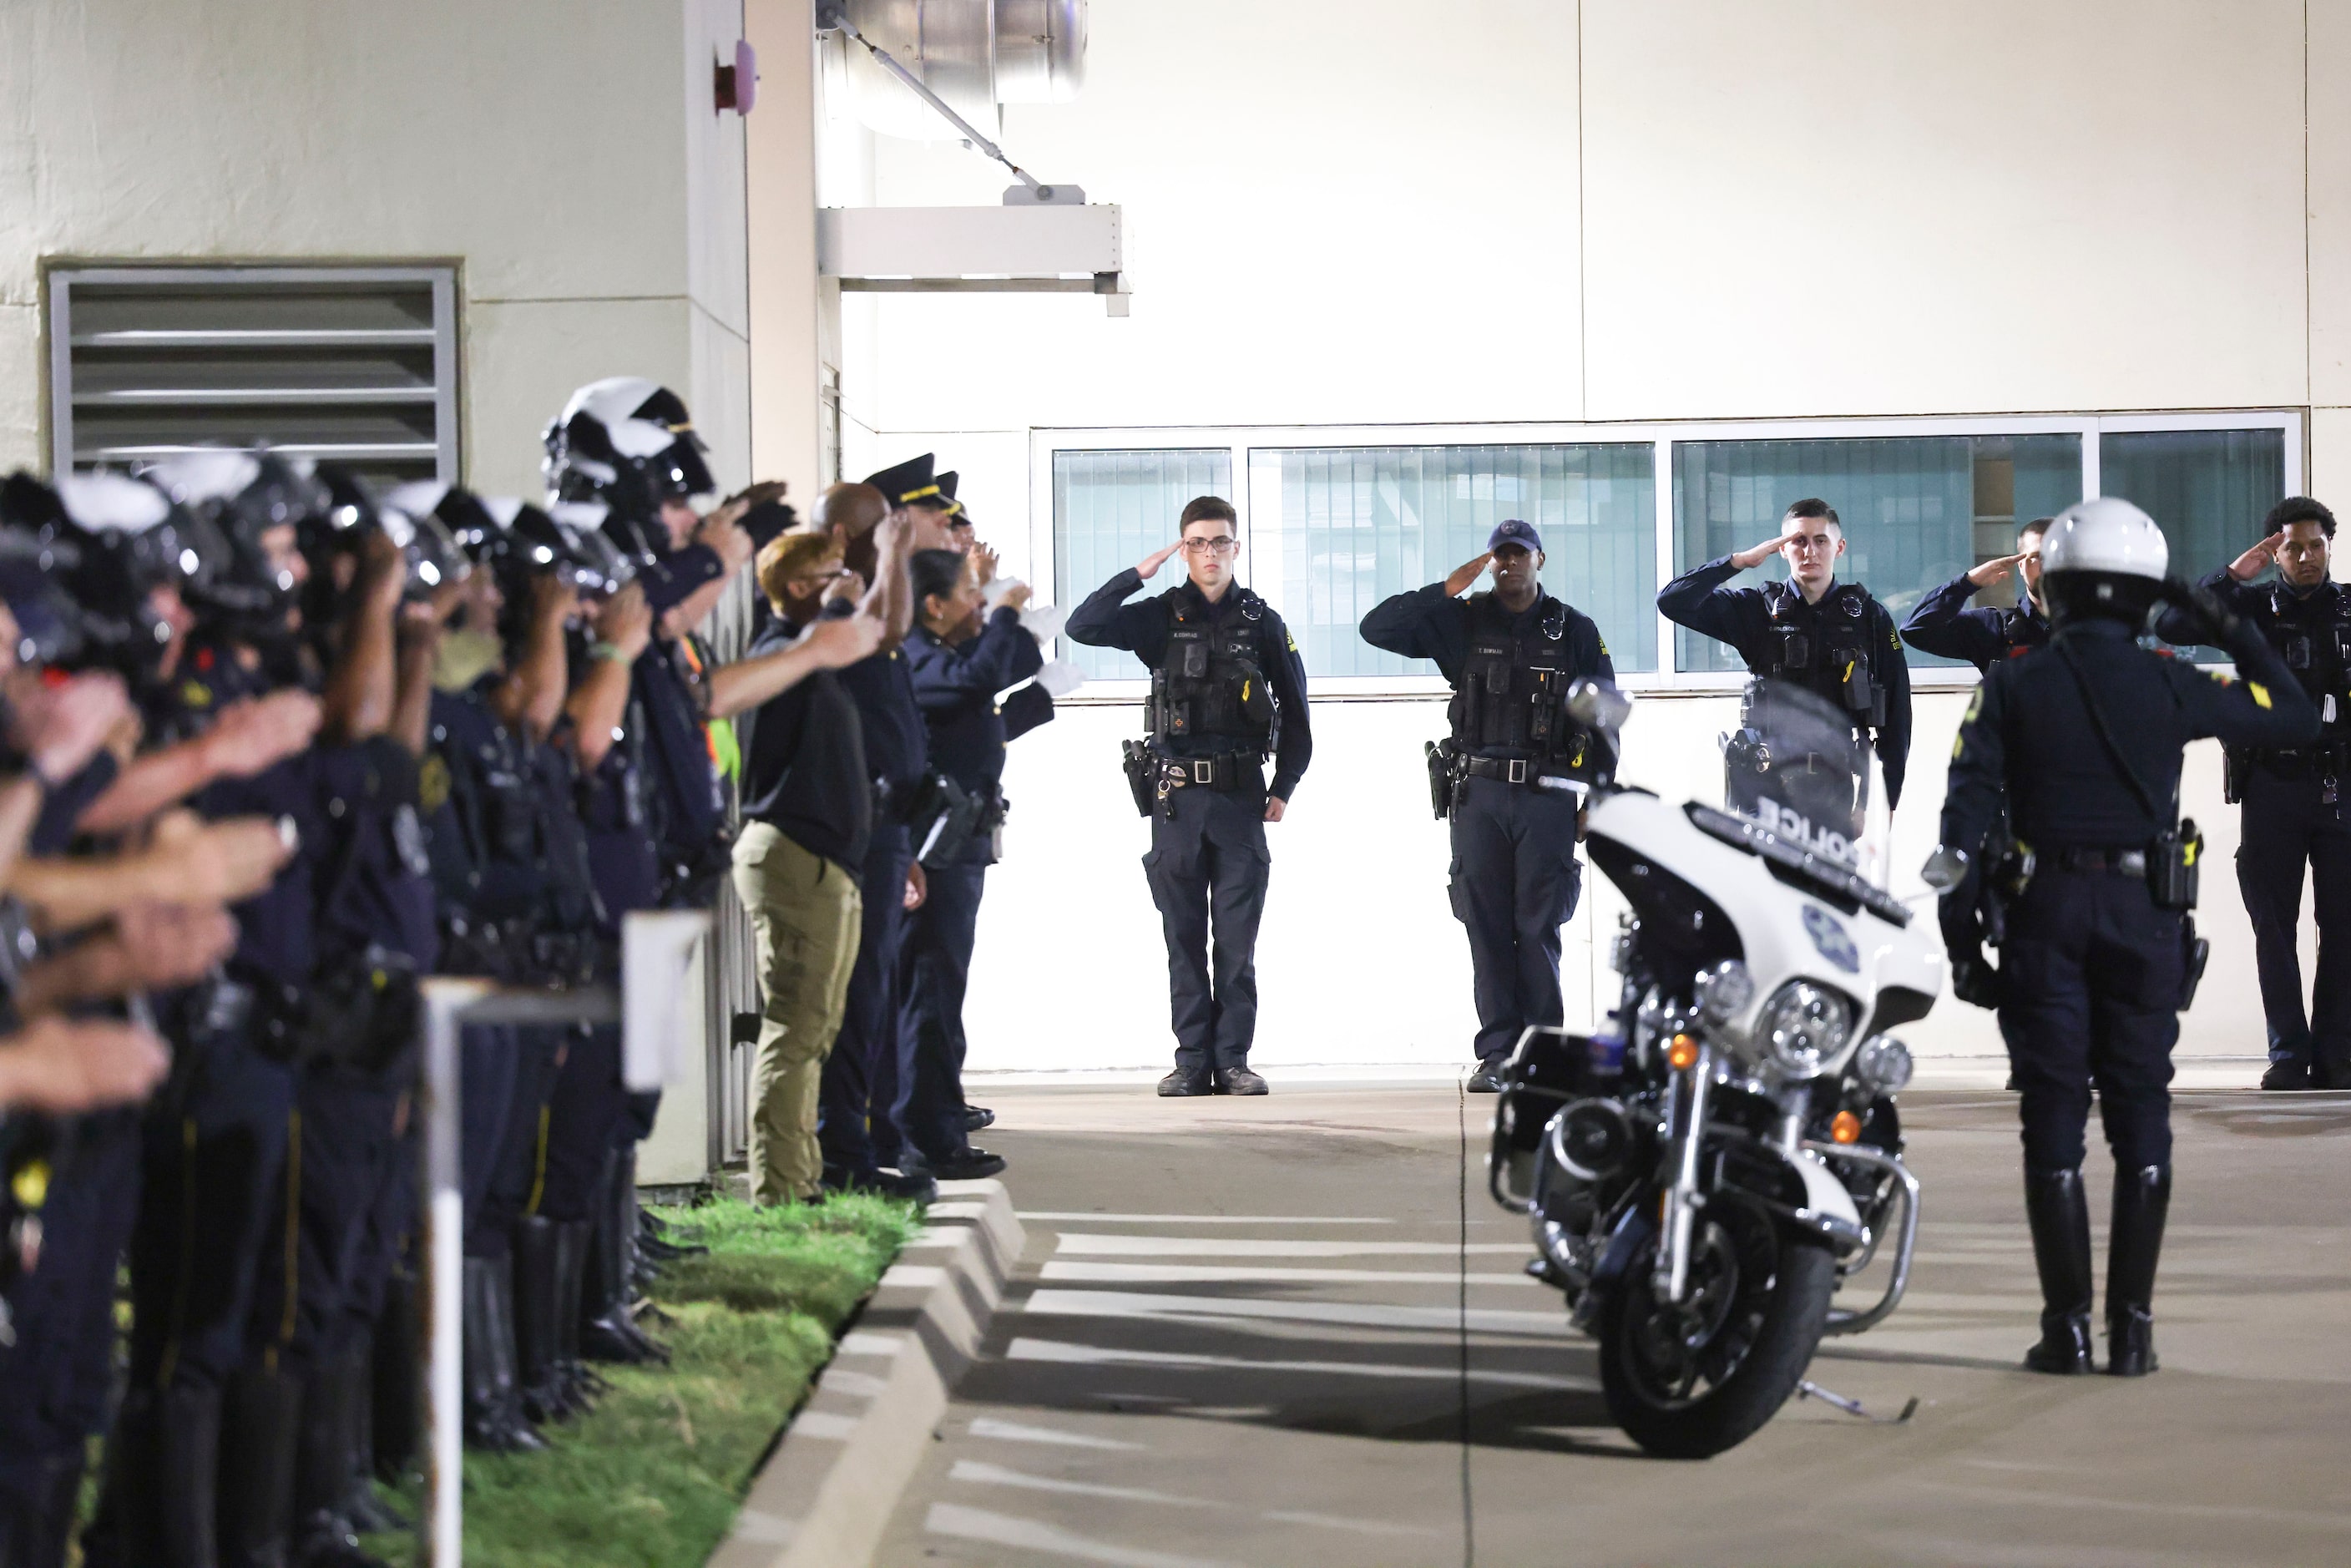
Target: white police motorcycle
1706,1172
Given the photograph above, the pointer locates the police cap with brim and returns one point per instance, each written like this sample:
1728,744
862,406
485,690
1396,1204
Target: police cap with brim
1511,531
912,483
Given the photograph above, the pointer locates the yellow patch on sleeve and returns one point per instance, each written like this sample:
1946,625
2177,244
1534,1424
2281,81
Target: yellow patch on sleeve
1294,643
2260,692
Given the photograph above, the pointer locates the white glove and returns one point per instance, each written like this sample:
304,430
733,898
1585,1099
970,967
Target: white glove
1060,678
997,590
1043,621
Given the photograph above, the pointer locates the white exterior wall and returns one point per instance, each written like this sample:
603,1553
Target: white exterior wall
565,157
1360,212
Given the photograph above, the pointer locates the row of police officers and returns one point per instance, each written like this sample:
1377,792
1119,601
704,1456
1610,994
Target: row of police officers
279,744
2063,845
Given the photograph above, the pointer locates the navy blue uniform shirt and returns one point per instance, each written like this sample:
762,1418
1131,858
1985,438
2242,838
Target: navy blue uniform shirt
277,932
898,745
1945,626
2030,736
956,687
1430,623
2280,613
1742,618
1106,621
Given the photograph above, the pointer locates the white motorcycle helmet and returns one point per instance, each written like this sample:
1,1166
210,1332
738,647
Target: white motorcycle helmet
2103,557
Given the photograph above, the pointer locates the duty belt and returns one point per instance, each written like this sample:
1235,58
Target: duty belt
1517,770
2124,863
1228,771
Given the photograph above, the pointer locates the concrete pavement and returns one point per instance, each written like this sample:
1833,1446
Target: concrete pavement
1258,1331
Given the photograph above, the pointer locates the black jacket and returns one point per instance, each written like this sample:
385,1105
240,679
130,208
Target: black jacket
1945,626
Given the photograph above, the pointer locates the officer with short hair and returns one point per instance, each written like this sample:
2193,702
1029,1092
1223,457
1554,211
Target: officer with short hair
1830,637
2293,796
2081,742
1944,626
1227,689
1515,770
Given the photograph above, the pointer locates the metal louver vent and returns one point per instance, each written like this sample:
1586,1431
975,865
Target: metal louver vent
354,365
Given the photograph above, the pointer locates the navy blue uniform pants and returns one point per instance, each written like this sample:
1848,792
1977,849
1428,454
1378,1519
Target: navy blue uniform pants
518,1155
585,1117
57,1380
214,1157
935,971
315,1261
859,1086
1514,882
2288,827
2090,986
1207,869
490,1074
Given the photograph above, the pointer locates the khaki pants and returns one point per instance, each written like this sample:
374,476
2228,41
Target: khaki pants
805,913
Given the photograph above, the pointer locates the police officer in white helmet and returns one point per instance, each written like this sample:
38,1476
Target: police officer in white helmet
2084,737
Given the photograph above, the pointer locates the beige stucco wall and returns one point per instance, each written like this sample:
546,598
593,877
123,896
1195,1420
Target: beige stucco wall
565,156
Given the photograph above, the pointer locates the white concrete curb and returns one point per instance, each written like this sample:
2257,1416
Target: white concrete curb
825,1496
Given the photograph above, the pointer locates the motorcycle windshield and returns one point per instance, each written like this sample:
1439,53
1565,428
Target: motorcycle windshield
1799,767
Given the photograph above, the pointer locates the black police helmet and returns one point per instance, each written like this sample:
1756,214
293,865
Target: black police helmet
235,499
106,542
629,443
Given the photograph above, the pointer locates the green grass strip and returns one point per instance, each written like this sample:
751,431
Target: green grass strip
653,1476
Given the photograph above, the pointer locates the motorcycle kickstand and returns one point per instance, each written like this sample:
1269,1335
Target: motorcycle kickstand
1808,1389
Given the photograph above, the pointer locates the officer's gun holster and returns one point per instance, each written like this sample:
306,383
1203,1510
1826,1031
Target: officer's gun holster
1142,770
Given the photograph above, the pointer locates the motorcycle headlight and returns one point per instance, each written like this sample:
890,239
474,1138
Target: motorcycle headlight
1883,1063
1802,1025
1724,991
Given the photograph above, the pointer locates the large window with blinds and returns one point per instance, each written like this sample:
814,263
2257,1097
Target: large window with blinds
1332,521
1916,510
1112,508
1334,530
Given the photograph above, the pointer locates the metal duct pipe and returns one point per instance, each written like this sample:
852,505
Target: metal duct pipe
976,55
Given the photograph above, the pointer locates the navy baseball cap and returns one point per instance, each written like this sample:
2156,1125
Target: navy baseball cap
1513,532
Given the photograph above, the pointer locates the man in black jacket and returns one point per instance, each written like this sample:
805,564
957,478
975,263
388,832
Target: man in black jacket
1227,688
1518,769
2293,796
1832,638
1944,626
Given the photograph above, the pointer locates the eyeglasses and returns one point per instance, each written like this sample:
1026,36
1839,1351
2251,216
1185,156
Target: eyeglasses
1223,547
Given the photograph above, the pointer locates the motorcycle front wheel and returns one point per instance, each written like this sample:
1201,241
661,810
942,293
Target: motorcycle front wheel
1688,1381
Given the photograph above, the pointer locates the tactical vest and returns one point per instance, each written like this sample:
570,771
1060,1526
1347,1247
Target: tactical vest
1211,685
1830,654
2314,641
1513,690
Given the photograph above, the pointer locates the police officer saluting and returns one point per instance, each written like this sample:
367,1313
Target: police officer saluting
1227,689
1944,626
1833,638
2293,796
1512,775
2082,741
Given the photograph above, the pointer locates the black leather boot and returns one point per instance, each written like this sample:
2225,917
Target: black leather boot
608,1330
259,1430
36,1528
2142,1199
493,1415
369,1514
324,1535
536,1350
395,1401
2059,1211
579,1385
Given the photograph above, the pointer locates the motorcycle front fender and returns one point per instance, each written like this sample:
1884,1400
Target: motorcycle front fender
1828,1208
1633,1231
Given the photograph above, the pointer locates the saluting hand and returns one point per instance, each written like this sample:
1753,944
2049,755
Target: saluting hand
2248,566
1750,558
250,736
626,621
1459,580
1995,569
1150,564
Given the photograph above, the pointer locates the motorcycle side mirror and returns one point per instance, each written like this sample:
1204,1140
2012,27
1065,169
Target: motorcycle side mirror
1598,706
